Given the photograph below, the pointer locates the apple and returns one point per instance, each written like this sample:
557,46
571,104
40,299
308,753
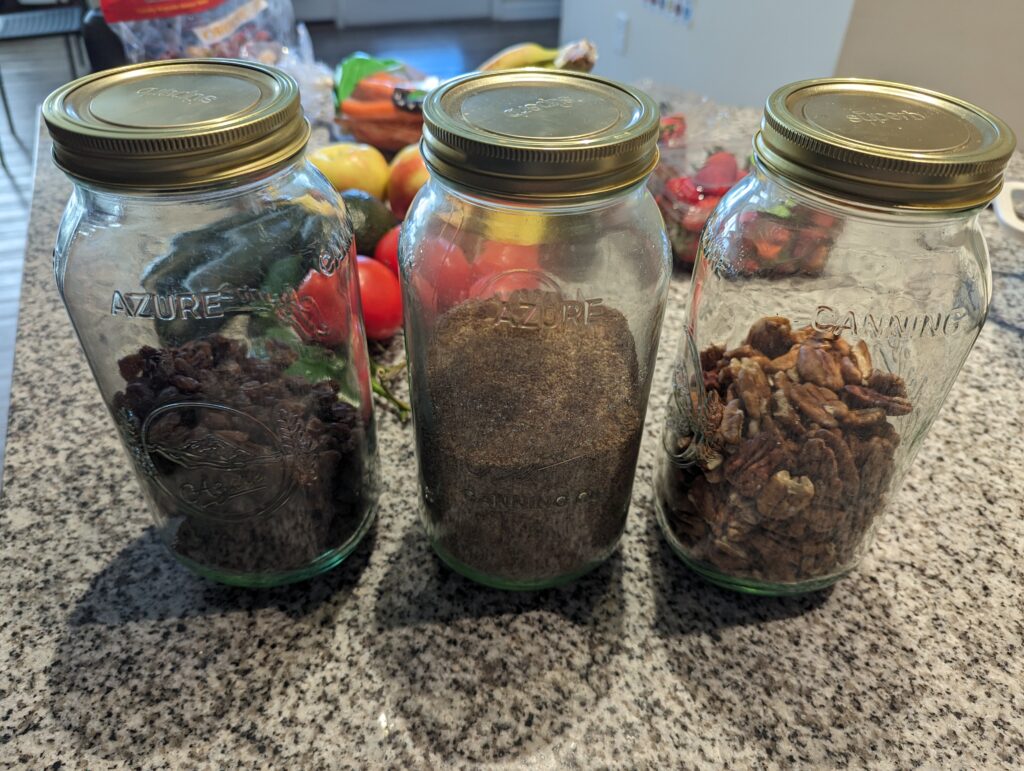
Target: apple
406,175
350,165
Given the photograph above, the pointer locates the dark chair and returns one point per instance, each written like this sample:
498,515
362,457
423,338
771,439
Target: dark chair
25,22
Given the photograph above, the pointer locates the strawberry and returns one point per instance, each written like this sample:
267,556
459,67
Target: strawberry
717,174
683,190
698,213
821,219
769,237
672,130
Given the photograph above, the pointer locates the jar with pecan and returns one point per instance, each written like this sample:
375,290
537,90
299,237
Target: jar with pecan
837,292
208,270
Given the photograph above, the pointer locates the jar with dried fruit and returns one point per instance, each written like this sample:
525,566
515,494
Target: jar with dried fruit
209,272
837,292
535,269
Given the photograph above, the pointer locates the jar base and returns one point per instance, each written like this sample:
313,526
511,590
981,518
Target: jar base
745,585
508,585
322,564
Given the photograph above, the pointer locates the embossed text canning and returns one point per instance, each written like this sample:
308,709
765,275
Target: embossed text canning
890,325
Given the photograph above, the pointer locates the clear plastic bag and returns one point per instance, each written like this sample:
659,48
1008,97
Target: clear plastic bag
705,150
157,29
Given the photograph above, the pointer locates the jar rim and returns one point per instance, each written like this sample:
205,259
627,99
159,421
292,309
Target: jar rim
884,142
540,135
176,124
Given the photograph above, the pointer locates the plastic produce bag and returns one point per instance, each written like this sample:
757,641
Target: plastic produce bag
175,29
705,150
380,100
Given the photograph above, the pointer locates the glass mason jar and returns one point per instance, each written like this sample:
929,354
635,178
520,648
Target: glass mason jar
535,270
208,271
836,295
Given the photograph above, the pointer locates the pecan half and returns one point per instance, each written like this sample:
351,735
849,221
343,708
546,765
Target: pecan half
754,463
807,399
859,420
771,335
818,462
783,362
845,464
862,358
887,383
784,497
710,356
850,372
783,411
752,385
731,427
816,364
862,396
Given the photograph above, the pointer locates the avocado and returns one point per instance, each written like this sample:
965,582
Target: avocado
371,219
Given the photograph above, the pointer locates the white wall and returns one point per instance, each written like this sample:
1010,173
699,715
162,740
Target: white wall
971,50
734,51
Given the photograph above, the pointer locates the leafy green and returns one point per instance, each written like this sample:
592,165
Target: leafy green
782,210
354,68
316,364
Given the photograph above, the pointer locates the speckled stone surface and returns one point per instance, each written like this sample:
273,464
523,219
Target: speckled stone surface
112,655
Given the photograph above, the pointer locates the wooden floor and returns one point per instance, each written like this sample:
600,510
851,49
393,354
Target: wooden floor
30,70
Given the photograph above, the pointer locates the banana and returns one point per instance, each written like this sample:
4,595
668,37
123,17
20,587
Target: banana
521,55
578,55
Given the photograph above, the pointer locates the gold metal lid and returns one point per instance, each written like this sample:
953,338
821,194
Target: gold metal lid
175,124
885,143
539,134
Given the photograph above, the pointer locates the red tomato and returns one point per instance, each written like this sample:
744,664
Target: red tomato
387,249
442,273
381,297
497,257
320,313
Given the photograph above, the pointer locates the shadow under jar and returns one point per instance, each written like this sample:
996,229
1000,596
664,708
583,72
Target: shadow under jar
837,293
535,270
208,271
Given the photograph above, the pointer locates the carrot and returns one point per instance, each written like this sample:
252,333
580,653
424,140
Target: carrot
376,87
379,109
386,135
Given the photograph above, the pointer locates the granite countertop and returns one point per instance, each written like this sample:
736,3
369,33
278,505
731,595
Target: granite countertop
115,656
